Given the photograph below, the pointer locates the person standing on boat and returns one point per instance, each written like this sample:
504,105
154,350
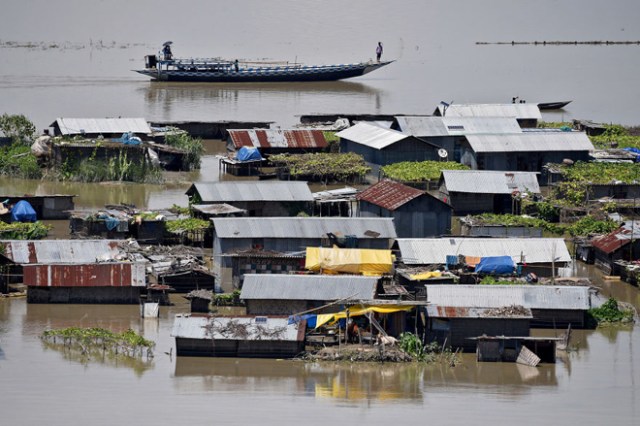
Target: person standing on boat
235,64
379,51
166,51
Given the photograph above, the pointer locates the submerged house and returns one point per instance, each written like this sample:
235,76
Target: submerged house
47,207
415,213
526,151
527,115
285,236
105,127
485,191
380,146
551,306
449,132
291,294
243,337
277,141
621,244
75,271
256,198
538,255
454,326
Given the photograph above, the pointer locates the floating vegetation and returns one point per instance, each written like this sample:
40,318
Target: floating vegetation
99,341
325,167
610,313
409,171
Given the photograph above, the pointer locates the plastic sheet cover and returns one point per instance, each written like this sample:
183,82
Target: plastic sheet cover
336,260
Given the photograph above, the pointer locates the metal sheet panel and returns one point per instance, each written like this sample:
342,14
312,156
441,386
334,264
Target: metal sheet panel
619,238
497,296
439,311
520,111
430,251
85,275
276,138
257,328
303,227
371,135
308,287
79,126
423,126
389,194
490,182
64,251
225,192
531,142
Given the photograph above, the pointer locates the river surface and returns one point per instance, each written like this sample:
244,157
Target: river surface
72,58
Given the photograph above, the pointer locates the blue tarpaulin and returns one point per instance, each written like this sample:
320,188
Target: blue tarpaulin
248,154
499,265
23,212
635,151
128,138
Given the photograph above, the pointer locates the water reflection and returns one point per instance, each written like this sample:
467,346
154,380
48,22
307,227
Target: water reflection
346,382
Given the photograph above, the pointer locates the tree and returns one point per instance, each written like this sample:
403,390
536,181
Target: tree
17,127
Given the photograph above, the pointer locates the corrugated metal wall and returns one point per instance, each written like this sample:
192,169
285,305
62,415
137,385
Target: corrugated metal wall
85,275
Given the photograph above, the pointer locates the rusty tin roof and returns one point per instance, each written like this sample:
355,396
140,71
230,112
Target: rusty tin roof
275,138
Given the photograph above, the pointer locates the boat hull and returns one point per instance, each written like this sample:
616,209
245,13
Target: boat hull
284,74
553,105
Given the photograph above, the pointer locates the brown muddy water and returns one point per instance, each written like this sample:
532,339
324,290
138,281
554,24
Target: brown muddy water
74,59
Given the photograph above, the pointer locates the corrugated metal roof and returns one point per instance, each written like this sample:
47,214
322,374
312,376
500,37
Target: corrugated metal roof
531,142
422,126
429,251
389,194
520,111
497,296
264,328
490,182
437,311
371,135
225,192
308,287
217,209
275,138
303,227
618,238
64,251
78,126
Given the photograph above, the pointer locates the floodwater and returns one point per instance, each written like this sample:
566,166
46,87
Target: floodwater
74,59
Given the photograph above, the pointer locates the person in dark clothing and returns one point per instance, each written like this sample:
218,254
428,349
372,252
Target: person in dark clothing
379,51
166,51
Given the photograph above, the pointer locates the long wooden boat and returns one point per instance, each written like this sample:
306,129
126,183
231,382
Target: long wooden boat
218,70
553,105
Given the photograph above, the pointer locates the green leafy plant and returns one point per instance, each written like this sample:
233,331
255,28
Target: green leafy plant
322,166
610,312
192,146
408,171
17,127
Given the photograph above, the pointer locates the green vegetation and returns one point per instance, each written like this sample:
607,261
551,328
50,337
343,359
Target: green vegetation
186,225
117,168
17,160
610,312
180,210
322,166
616,135
23,231
585,226
89,340
411,344
192,146
227,299
408,171
491,280
554,125
18,128
596,172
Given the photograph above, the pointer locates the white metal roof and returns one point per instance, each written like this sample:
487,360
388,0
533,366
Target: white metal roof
79,126
256,328
422,126
371,135
225,192
65,251
490,182
303,227
308,287
496,296
430,251
521,111
531,142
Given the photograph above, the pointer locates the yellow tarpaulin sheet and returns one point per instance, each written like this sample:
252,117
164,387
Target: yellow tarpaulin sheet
426,275
336,260
359,310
